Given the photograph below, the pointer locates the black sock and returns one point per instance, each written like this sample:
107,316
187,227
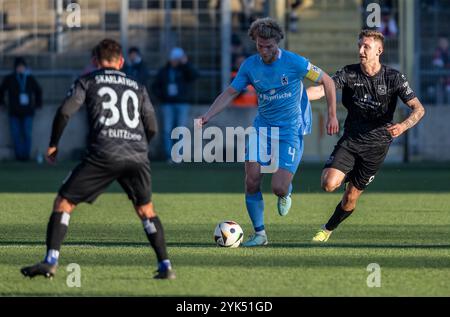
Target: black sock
338,216
155,234
56,231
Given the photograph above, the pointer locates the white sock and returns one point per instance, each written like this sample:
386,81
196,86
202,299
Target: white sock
261,233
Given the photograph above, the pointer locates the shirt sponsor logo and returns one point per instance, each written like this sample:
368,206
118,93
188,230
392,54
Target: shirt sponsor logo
273,96
121,134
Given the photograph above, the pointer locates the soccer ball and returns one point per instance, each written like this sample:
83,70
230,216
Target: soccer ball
228,234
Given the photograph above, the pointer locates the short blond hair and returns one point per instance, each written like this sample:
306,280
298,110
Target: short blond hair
376,35
266,28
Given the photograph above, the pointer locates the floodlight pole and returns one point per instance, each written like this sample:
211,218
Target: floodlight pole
59,27
225,31
124,26
407,53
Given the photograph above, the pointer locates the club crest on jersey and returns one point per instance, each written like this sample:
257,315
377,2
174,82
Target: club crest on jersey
284,80
382,89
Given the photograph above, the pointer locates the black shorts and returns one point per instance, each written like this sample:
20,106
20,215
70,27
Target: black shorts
90,178
358,161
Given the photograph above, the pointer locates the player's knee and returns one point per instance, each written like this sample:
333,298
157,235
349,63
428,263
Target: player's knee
280,190
329,186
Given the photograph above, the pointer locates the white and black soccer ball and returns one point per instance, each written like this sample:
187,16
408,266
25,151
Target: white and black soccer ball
228,234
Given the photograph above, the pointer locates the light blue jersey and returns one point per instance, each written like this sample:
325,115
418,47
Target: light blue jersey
282,98
282,102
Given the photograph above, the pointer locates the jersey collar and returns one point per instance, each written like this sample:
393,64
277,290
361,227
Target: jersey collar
280,53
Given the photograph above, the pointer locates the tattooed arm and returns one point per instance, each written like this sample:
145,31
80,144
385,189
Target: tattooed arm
417,113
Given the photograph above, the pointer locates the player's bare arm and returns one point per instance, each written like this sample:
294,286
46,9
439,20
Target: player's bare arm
315,92
221,102
418,111
326,88
330,95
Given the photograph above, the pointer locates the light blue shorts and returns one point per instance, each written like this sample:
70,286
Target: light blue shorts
273,153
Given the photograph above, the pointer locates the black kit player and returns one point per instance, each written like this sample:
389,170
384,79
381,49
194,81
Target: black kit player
122,122
369,93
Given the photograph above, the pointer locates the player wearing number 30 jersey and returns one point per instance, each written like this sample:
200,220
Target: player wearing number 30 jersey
121,123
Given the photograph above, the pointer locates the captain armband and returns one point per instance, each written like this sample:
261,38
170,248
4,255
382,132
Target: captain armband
314,73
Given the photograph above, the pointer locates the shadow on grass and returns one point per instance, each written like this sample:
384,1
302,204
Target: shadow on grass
276,245
249,259
280,236
227,178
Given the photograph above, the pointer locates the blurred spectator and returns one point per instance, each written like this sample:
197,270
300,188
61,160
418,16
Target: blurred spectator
135,66
243,12
248,13
248,97
388,25
24,96
237,48
441,60
442,53
296,6
172,87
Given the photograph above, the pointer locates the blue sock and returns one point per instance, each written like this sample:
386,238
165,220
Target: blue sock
52,257
164,265
255,208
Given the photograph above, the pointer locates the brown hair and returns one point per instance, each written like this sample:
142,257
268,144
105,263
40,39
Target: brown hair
266,28
107,50
376,35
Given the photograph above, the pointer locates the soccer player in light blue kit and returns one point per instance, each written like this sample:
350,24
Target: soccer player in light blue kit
277,76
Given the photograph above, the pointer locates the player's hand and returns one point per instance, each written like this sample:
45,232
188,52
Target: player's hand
201,121
51,154
396,129
332,126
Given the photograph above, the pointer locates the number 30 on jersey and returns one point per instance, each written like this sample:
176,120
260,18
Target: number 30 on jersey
111,105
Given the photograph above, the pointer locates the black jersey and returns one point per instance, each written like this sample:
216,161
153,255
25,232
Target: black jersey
120,115
371,101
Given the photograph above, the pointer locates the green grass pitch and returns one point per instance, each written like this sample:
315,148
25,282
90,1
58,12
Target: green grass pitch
401,223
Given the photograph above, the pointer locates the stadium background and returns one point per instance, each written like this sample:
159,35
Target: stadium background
324,31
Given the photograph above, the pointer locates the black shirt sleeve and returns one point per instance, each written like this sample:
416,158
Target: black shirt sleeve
404,91
148,116
340,78
71,104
